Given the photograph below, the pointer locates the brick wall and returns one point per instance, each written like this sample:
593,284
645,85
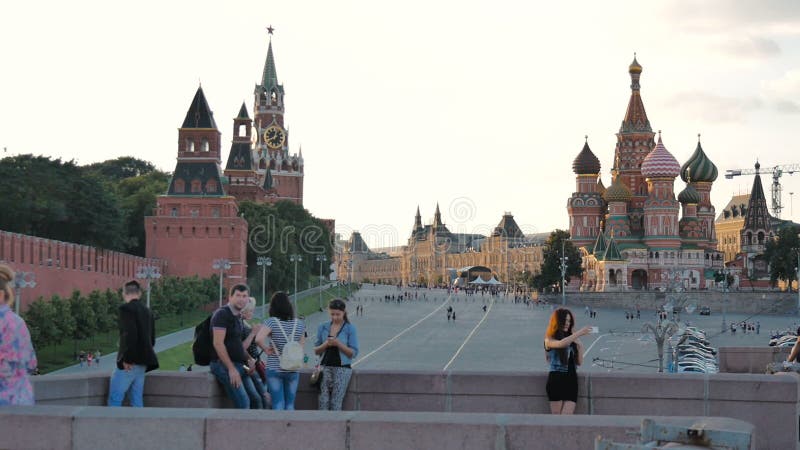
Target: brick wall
62,267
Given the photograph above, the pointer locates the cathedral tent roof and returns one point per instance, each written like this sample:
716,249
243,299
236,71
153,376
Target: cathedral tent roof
199,114
191,173
508,228
240,157
599,245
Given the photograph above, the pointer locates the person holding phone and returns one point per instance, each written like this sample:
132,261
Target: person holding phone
337,345
564,352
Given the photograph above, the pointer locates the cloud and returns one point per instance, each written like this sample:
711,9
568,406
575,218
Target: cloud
750,47
781,92
714,108
755,17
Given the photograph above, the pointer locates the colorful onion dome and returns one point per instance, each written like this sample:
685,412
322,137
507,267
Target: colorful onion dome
689,195
660,163
586,163
635,67
698,167
617,192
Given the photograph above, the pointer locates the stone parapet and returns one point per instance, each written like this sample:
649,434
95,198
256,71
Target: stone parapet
749,359
92,427
769,402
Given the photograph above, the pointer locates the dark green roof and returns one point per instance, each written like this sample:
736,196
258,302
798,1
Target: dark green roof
268,180
240,157
243,112
612,252
508,228
269,80
599,245
199,114
201,171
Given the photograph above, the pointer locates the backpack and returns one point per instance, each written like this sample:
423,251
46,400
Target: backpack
291,359
203,345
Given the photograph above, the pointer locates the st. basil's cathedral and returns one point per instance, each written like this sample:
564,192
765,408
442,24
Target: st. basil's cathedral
635,234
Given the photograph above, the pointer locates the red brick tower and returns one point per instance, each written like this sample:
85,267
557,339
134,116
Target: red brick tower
196,222
586,204
271,150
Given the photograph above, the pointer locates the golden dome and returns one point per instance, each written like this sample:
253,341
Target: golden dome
635,67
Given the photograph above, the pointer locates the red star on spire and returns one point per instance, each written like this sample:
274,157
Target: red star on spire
270,29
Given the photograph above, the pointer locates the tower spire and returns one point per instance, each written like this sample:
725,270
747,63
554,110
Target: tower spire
635,117
417,220
437,217
269,79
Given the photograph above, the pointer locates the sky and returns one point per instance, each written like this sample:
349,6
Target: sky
480,106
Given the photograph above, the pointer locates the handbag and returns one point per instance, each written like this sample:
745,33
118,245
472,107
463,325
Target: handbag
316,376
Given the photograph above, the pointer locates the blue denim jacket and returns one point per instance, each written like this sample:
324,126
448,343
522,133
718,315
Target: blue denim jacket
555,362
348,336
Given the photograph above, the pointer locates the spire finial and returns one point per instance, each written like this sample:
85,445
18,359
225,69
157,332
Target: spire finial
586,136
698,138
270,30
688,174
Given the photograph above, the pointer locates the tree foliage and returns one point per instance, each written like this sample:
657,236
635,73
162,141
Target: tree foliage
101,205
278,231
551,264
781,254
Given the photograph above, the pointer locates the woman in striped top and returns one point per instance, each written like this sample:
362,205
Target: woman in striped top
281,326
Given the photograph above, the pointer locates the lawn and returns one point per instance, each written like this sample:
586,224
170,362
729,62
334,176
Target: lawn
56,357
172,359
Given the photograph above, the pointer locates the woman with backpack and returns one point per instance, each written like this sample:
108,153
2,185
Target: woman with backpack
337,345
286,358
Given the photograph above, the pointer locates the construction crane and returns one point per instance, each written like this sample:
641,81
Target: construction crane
776,189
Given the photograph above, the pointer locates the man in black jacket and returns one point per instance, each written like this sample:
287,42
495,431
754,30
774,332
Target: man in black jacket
137,335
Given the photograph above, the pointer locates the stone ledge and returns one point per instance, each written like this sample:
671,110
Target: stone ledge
147,428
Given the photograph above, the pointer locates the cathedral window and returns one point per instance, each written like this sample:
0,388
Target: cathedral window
179,186
204,145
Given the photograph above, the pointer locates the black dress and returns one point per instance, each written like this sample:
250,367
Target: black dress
563,386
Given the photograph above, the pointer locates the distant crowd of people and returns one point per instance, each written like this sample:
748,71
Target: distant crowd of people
88,358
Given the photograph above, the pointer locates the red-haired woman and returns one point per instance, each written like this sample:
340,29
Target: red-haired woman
564,353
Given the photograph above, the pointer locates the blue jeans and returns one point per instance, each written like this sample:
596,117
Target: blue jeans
282,388
239,395
123,381
255,391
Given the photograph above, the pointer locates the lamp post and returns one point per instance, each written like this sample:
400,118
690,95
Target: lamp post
22,280
295,258
264,262
321,259
148,273
563,275
222,265
725,298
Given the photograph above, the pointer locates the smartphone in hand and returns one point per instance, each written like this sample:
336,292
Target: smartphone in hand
595,330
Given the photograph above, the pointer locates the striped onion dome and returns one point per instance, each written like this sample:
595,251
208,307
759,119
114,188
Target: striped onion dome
660,163
617,192
586,163
689,195
699,167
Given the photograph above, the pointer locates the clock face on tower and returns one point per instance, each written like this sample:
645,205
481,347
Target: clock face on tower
274,136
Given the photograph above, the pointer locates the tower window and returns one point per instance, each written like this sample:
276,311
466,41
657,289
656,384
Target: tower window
211,186
204,145
174,212
242,130
274,97
179,186
189,145
196,187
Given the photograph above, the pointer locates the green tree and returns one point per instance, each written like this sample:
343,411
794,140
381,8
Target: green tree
39,318
137,199
781,254
551,264
63,321
121,168
82,313
278,231
55,200
104,319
